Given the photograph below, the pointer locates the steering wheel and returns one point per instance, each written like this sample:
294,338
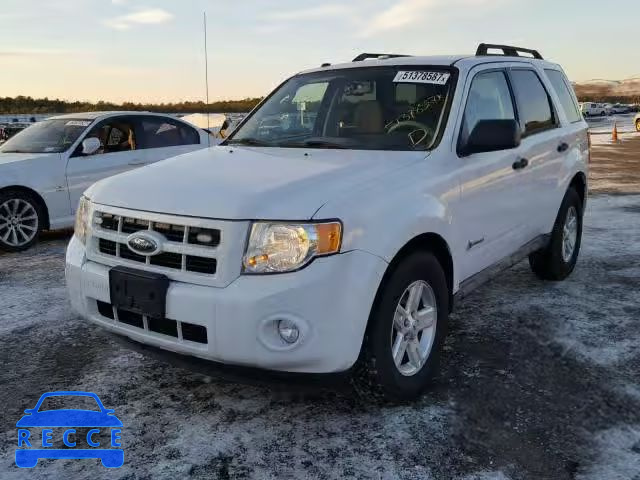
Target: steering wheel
419,131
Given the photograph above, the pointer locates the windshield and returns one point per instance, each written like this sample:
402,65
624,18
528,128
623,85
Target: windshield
48,136
373,108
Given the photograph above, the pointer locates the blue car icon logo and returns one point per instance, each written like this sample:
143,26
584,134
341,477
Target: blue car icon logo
69,425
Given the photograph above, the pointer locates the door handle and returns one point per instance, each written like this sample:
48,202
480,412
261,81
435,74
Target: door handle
563,147
137,162
520,164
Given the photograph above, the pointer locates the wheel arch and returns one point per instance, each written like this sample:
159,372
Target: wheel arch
36,196
579,184
425,242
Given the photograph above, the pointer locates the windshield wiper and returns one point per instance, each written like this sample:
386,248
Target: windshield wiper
315,143
249,142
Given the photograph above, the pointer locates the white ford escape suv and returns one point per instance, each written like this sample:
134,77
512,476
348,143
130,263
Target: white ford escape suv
335,227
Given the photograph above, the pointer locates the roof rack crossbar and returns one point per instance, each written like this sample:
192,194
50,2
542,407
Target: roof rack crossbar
507,51
367,56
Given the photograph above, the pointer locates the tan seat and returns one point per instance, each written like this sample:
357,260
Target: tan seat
368,117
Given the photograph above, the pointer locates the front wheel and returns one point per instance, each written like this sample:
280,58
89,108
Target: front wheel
638,125
406,331
20,221
557,261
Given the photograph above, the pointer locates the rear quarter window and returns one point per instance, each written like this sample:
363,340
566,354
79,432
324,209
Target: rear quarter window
560,85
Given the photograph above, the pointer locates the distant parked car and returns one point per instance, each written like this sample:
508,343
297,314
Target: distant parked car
45,168
619,109
590,109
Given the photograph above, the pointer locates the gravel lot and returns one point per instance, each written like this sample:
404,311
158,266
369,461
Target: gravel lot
540,380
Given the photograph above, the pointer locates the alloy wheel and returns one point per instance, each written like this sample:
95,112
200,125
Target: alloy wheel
414,328
569,234
18,222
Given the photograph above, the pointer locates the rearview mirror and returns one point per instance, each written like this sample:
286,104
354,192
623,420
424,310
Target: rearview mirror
90,146
491,136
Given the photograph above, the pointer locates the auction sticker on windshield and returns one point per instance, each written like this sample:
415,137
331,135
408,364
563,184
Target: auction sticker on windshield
417,76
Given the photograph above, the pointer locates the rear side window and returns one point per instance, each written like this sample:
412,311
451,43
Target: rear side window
534,105
489,99
561,87
160,132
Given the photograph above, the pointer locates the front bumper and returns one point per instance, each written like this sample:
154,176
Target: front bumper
330,301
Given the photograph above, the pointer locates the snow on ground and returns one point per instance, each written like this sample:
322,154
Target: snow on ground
540,380
618,457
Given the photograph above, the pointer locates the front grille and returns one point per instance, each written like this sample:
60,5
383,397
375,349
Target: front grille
108,247
201,265
163,326
167,259
188,248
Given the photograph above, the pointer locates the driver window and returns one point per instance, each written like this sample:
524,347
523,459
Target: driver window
116,135
297,115
489,99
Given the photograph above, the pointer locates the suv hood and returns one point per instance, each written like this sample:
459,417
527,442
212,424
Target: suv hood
241,183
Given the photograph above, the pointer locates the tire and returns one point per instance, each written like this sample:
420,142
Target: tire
637,125
554,262
21,220
376,375
603,114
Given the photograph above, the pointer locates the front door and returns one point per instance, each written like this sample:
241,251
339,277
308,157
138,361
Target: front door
118,153
489,216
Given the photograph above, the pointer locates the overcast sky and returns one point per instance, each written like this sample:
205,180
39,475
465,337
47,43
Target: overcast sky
152,50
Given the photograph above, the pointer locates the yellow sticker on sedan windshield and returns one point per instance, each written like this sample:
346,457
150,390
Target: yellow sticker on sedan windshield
417,76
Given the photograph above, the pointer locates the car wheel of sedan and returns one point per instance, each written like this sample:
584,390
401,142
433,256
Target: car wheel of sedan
20,221
407,328
638,125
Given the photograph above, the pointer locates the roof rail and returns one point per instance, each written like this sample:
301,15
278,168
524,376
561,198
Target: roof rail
507,51
367,56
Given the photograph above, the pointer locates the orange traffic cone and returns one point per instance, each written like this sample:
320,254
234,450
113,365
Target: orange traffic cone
614,134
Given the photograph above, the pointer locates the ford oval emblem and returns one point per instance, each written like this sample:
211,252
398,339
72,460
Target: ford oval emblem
143,243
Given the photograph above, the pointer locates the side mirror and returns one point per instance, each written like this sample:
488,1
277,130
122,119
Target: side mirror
491,136
90,146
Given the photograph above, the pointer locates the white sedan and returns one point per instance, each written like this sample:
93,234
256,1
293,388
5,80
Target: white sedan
45,168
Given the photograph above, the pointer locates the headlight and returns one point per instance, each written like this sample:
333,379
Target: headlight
284,247
82,219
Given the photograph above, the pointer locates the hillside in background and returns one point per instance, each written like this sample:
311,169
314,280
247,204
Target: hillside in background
611,91
624,91
28,105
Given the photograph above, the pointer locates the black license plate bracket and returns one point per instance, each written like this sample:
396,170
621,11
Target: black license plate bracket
138,291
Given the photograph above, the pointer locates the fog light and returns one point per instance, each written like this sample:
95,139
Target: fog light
288,331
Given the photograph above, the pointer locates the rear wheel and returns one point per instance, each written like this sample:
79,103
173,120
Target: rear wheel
20,221
638,125
557,261
407,329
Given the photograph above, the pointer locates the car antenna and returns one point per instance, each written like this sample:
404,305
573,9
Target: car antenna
206,79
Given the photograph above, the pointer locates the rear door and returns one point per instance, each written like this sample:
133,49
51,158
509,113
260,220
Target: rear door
542,147
162,137
573,138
